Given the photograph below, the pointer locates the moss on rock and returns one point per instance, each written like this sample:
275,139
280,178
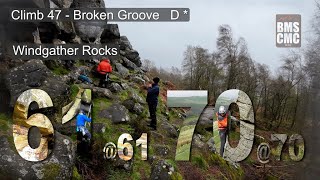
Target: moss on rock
51,171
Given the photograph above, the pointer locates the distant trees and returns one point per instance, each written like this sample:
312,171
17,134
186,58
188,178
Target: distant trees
278,98
172,74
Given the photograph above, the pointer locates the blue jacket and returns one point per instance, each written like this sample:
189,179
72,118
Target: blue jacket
85,78
153,93
81,120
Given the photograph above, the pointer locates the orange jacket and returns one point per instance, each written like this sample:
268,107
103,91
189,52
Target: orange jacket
222,124
104,67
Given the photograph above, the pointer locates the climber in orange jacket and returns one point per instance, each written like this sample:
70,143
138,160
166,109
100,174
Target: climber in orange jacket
223,125
103,69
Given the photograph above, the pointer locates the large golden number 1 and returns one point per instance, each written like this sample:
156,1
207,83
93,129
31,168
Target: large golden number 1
196,101
22,124
244,103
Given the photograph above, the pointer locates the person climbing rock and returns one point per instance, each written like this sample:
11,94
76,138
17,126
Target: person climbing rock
152,100
223,125
81,122
103,69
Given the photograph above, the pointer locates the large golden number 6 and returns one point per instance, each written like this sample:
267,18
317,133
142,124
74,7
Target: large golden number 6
22,124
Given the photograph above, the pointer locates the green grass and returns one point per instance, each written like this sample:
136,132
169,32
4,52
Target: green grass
176,176
114,77
216,159
172,163
141,169
75,174
123,95
228,170
60,71
51,171
4,123
74,91
100,104
11,143
200,162
119,174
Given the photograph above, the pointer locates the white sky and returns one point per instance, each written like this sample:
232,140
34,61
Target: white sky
165,42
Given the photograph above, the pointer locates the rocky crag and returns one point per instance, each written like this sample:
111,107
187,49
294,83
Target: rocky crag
118,109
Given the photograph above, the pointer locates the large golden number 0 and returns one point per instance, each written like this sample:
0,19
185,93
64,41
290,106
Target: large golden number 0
244,103
22,124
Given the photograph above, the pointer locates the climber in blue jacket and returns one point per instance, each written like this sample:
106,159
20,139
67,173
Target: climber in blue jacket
81,122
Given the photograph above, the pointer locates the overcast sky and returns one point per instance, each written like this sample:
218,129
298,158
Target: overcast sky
165,42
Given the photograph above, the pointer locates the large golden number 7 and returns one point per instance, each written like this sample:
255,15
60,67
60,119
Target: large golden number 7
196,101
22,124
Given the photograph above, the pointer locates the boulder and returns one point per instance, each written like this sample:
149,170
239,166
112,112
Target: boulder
116,112
124,72
145,77
206,120
156,135
67,129
125,43
89,31
99,127
125,86
97,91
161,150
62,3
35,75
137,98
73,75
169,129
59,164
120,163
128,64
137,108
133,107
137,61
161,170
138,80
129,104
131,54
211,145
102,92
197,141
115,87
111,31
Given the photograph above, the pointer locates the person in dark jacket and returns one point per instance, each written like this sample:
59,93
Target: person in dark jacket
152,100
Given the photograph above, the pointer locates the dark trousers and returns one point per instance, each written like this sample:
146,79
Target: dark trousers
153,114
223,139
103,80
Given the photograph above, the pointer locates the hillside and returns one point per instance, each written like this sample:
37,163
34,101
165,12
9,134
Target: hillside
119,108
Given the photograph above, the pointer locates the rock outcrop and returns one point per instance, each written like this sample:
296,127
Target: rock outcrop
34,74
117,113
59,163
